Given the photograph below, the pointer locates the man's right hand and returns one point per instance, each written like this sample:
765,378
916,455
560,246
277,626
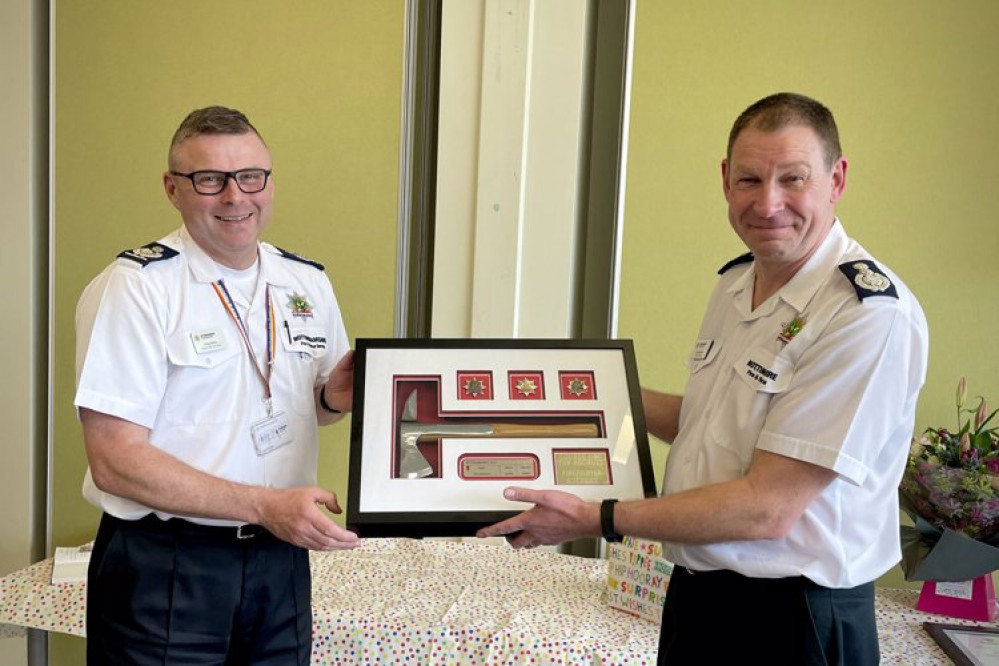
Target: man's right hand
295,515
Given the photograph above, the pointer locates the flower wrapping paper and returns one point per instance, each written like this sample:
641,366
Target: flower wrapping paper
942,554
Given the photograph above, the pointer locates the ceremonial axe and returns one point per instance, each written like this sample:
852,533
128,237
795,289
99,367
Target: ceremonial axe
412,463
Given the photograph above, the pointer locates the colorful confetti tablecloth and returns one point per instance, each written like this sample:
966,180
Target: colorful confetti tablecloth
401,601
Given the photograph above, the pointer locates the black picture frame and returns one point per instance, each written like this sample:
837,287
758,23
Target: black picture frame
966,645
562,384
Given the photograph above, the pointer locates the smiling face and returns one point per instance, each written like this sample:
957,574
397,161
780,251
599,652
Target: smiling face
226,225
781,194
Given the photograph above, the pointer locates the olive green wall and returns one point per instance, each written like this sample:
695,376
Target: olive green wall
913,88
912,84
321,80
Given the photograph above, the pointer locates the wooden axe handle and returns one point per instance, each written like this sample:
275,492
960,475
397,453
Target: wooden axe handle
545,430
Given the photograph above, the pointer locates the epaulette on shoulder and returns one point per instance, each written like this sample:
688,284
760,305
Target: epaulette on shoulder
149,253
742,259
867,279
294,257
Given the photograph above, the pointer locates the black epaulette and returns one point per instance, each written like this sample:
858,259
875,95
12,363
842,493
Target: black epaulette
147,254
867,279
743,259
294,257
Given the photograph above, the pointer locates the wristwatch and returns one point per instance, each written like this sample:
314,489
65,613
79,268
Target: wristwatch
325,405
607,521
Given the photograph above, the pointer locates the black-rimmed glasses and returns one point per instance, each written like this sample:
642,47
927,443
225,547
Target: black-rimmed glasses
249,181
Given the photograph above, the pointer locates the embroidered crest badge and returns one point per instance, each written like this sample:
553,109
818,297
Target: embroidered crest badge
867,279
791,329
300,306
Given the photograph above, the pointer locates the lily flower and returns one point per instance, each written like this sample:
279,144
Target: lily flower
983,409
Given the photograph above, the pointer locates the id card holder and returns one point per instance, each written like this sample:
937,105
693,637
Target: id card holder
271,433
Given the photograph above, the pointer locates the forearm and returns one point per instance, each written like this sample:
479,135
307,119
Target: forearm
336,397
662,414
324,416
124,463
729,511
763,504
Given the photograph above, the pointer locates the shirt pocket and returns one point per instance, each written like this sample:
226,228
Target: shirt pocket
203,387
738,416
303,347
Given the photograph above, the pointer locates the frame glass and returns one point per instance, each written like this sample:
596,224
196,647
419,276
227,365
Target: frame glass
441,427
966,645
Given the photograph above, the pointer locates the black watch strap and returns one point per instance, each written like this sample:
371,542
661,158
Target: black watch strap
322,401
607,521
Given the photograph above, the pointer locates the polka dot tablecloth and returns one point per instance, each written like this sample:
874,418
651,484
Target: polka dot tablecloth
401,601
438,602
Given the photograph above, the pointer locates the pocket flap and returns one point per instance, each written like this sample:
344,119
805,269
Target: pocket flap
701,356
764,370
309,340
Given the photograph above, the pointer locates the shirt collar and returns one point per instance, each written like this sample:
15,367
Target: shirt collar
802,287
204,268
798,292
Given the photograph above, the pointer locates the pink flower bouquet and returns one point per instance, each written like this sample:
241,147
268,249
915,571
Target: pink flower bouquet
950,488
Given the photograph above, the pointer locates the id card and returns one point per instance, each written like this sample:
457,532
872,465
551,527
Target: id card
271,433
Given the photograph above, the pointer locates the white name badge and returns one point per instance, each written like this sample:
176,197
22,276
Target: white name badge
208,340
271,433
701,350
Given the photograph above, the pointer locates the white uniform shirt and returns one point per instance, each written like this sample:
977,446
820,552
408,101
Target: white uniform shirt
155,346
839,393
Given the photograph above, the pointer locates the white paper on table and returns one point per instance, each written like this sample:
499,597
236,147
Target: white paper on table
70,564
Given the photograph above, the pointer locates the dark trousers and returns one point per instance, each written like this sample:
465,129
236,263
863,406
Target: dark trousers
721,617
172,593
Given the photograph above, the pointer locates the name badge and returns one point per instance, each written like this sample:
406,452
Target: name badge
701,350
208,340
764,371
308,340
271,433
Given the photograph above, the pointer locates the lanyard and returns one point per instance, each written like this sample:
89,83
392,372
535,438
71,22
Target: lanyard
230,306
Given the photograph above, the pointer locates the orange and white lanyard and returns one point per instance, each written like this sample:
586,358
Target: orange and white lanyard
230,306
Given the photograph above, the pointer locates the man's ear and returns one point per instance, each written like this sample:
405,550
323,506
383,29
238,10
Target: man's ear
724,170
170,187
838,180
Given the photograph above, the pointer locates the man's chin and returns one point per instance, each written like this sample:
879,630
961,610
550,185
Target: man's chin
773,250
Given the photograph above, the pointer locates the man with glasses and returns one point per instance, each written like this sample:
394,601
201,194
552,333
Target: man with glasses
780,499
205,362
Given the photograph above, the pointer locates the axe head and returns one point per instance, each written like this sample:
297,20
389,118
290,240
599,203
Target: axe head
412,463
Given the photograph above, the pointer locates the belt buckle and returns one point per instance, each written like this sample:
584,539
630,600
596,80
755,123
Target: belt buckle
249,534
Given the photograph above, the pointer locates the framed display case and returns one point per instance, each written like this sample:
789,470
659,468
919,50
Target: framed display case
966,645
441,427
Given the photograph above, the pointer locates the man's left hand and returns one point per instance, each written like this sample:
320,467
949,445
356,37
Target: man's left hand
555,518
340,386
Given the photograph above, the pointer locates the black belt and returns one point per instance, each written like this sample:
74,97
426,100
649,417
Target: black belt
729,577
180,526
